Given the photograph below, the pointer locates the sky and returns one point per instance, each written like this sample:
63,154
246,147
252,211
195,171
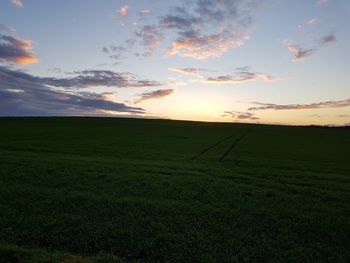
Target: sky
252,61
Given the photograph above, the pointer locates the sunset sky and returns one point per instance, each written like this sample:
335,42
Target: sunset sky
256,61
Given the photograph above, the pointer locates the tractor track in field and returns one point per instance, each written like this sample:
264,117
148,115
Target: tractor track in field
211,147
232,147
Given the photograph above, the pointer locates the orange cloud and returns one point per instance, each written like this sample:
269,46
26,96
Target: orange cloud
17,50
123,11
29,59
205,47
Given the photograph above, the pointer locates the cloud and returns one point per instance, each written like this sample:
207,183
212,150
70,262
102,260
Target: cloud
300,53
205,47
328,39
150,36
322,2
238,115
312,106
4,28
145,11
22,94
96,78
115,52
201,29
123,11
242,75
17,3
16,50
157,94
312,21
197,72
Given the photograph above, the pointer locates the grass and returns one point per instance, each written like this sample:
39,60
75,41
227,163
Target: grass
128,190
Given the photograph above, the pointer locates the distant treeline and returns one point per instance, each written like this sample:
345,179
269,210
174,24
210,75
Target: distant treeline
328,126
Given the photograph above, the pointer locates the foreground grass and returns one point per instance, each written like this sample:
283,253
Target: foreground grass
165,191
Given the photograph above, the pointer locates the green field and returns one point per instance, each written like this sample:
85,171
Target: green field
132,190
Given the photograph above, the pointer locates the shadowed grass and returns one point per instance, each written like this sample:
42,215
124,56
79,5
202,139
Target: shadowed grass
124,189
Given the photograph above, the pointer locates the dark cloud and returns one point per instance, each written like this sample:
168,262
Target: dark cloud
157,94
89,78
16,50
115,52
237,115
118,52
201,28
311,106
24,94
94,78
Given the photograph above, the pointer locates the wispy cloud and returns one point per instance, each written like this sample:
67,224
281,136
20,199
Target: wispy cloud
202,29
96,78
17,3
300,53
242,75
115,52
328,39
311,106
312,21
157,94
16,50
322,2
197,72
239,116
4,28
123,11
150,37
22,94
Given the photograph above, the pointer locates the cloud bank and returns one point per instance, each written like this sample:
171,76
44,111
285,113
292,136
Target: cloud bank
22,94
311,106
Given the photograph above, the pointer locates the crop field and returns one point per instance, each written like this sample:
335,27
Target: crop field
133,190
